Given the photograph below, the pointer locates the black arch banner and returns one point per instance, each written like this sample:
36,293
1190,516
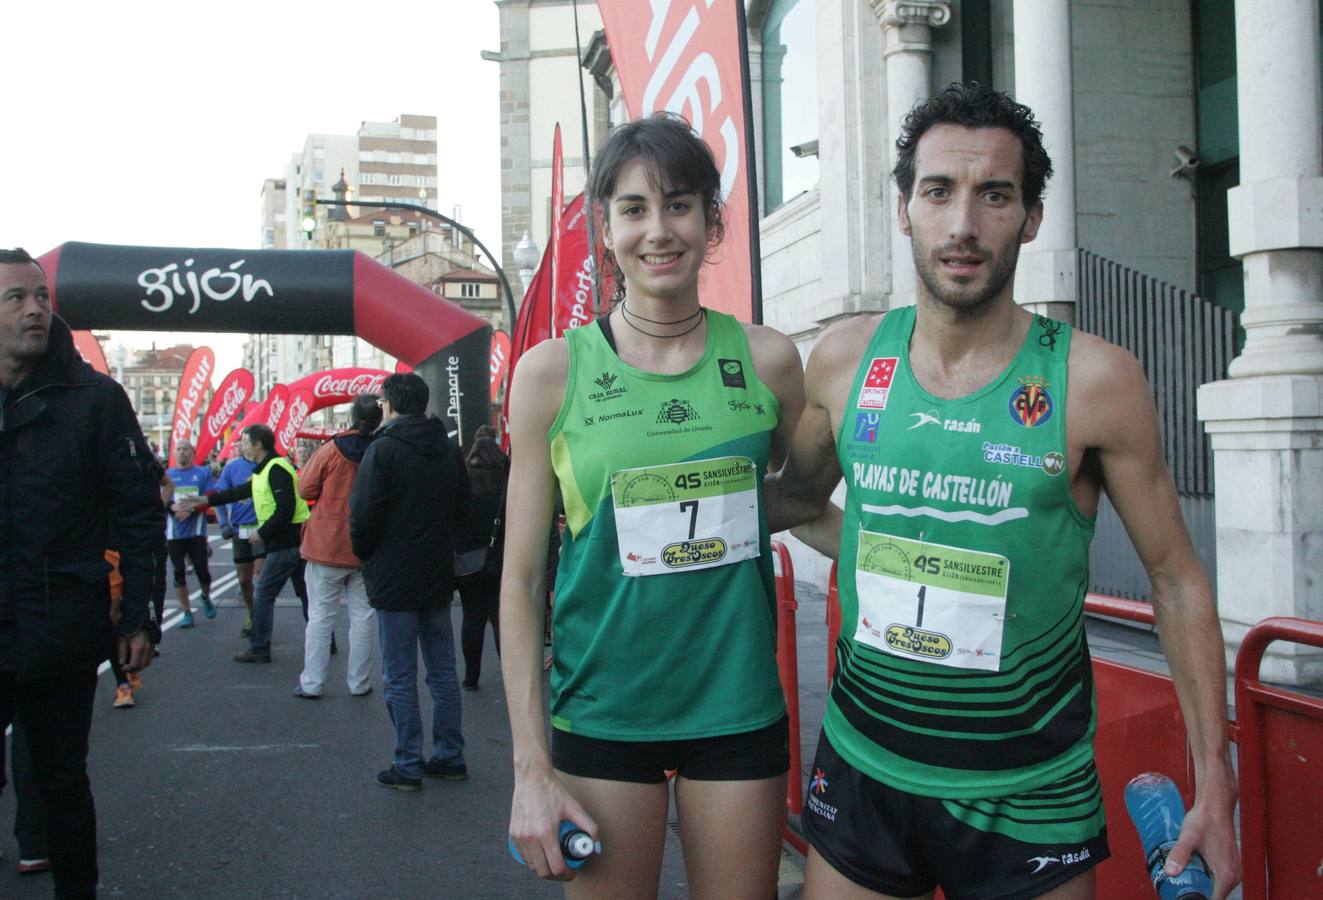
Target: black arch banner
281,292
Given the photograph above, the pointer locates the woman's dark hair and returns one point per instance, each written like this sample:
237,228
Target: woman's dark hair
675,157
486,465
365,414
263,435
974,106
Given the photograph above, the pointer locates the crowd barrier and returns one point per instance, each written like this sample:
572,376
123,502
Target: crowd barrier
1278,734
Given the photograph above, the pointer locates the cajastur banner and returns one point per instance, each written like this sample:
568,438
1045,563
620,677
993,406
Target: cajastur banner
194,382
692,59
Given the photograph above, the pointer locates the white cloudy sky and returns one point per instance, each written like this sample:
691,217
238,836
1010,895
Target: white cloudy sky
156,122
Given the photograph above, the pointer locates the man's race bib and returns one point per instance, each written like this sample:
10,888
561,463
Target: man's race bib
245,532
686,516
931,602
185,490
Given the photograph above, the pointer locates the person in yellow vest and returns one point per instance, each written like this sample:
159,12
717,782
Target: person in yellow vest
281,513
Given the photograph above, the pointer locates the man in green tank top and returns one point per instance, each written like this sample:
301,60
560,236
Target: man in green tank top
975,439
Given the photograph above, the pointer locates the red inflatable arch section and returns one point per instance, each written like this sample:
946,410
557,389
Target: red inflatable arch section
281,292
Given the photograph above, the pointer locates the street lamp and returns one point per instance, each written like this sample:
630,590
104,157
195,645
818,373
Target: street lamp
423,210
526,257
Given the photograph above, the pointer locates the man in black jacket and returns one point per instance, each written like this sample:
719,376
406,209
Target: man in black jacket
76,478
402,526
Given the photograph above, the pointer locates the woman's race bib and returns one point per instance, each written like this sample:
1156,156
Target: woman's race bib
686,516
927,601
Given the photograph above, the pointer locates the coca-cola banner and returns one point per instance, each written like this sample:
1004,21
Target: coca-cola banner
335,386
573,293
226,405
500,360
297,409
318,432
90,348
193,384
276,401
692,58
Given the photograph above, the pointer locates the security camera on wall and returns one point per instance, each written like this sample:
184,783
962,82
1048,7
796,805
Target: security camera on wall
1187,162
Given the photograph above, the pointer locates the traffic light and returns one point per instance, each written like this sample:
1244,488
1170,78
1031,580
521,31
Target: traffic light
309,214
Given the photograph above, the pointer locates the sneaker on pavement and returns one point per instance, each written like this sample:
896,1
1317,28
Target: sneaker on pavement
187,620
391,778
124,697
33,866
247,628
135,681
304,695
435,768
249,656
208,608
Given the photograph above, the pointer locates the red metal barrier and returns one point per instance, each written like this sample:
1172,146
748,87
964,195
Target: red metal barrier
833,623
1281,771
787,657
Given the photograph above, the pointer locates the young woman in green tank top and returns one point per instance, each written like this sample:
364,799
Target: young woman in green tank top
655,425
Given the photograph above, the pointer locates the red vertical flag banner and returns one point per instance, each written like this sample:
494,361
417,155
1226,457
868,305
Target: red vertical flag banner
90,348
230,398
193,384
297,409
500,360
553,239
573,304
276,401
692,58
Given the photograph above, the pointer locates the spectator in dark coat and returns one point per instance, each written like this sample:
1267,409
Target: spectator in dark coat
74,468
402,526
478,580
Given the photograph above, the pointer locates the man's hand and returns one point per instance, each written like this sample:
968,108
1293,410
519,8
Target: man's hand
136,651
227,533
255,539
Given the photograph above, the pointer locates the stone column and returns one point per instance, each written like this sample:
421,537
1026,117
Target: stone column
907,29
1045,279
1266,420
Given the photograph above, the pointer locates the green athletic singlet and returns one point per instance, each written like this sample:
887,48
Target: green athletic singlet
962,666
665,621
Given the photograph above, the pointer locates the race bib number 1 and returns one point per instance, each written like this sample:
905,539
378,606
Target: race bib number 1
941,604
686,516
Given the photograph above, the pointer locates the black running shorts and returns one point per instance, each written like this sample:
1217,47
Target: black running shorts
747,756
905,845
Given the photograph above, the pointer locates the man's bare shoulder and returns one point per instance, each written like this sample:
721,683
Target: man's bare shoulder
842,345
1108,383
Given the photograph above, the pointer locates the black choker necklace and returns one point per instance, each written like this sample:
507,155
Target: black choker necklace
701,317
658,321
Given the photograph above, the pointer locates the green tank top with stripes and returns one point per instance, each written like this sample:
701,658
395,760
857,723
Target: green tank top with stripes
664,624
962,667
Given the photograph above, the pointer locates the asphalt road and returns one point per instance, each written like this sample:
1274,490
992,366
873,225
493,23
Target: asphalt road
220,784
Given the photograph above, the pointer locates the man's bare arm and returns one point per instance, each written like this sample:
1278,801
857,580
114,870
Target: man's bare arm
1123,430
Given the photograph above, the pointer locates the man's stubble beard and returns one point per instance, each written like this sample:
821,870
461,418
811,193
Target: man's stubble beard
1002,271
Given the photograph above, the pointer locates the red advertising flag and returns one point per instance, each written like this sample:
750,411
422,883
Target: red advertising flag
500,360
553,240
692,59
296,410
573,298
90,348
255,414
226,404
276,401
336,386
533,323
193,384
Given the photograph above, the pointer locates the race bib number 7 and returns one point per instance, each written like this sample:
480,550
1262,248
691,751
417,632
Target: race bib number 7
686,516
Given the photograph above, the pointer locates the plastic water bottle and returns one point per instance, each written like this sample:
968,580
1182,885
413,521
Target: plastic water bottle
576,845
1156,808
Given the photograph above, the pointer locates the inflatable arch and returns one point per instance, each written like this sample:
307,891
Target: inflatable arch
281,292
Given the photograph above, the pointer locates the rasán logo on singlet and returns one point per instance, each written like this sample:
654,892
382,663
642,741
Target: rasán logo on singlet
677,412
877,383
606,382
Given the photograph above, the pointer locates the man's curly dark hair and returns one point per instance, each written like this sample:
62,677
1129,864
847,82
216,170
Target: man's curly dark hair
972,105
